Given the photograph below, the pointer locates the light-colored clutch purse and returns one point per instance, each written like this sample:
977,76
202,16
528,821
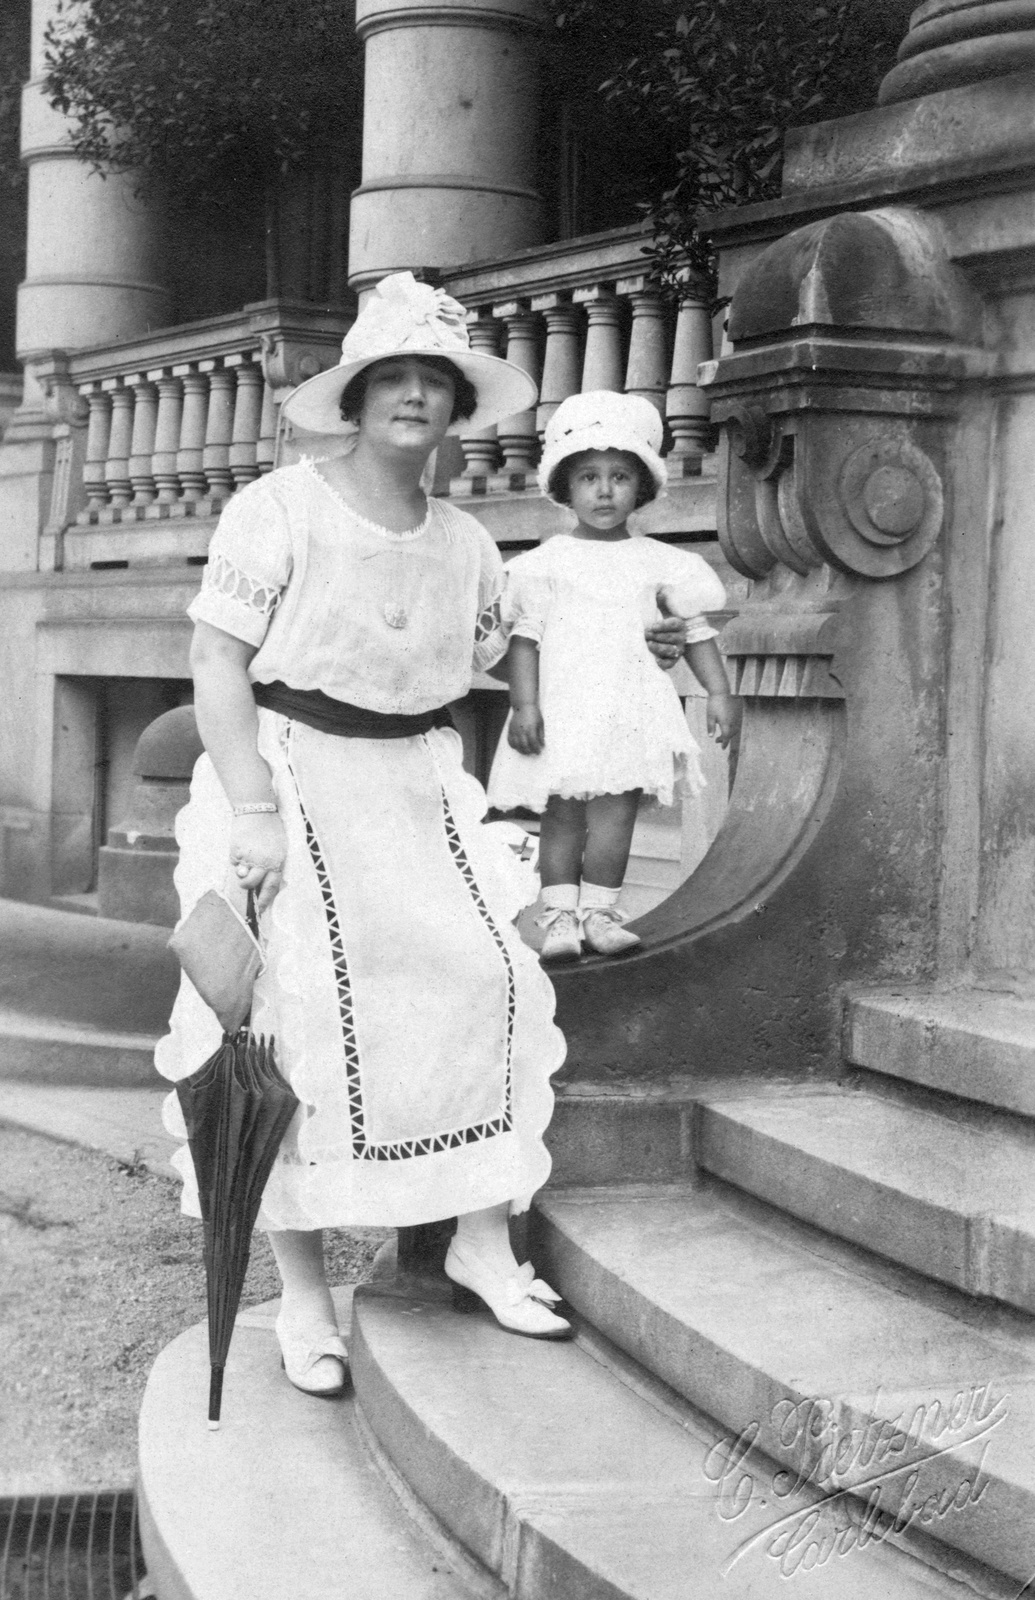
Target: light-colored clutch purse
221,955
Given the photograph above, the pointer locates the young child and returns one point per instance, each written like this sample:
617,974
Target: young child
594,722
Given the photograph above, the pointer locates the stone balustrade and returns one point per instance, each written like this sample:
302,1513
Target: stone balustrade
156,433
583,314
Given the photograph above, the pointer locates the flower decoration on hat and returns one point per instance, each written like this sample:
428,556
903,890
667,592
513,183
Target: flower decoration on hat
402,313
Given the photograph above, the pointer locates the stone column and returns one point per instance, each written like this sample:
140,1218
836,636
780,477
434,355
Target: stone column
952,43
449,133
93,262
91,275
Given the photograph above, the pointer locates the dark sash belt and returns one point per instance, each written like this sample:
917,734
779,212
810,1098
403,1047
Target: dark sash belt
327,715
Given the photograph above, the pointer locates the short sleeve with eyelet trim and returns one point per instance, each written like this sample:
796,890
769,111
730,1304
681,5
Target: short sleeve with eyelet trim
490,633
249,563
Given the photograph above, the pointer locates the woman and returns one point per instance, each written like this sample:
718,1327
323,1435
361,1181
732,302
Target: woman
341,612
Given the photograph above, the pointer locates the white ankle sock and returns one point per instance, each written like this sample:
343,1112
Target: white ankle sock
560,896
597,896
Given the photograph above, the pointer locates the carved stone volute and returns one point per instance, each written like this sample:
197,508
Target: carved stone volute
850,340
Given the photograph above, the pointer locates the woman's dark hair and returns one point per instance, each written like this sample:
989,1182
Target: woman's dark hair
559,485
465,395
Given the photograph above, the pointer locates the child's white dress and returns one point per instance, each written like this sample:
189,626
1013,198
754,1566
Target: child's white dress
613,720
412,1022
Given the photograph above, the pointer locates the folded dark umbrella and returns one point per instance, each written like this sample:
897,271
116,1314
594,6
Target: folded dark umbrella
237,1108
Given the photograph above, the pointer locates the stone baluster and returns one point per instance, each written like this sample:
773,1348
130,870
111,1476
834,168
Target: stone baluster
116,469
517,433
602,364
266,449
247,418
562,367
141,450
647,370
480,448
98,434
167,435
686,406
189,464
218,430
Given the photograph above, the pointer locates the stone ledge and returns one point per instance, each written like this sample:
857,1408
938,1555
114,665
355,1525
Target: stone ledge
947,1199
974,1043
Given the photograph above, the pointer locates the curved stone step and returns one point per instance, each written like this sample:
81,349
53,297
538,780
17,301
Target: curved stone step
950,1200
284,1500
567,1484
805,1354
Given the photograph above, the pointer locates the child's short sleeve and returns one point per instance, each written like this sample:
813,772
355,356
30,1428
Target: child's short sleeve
527,598
249,563
690,589
490,635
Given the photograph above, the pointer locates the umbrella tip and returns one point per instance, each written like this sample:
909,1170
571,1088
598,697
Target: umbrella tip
213,1427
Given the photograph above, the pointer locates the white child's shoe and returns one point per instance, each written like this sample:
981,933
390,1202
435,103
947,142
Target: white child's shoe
603,932
562,941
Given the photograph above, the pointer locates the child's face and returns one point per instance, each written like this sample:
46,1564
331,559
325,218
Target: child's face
602,488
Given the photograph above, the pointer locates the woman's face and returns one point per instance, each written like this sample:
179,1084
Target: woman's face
408,404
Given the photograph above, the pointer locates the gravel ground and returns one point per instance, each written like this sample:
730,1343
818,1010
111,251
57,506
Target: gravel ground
98,1271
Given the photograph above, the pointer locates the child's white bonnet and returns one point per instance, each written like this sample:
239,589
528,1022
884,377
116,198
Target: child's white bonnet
602,419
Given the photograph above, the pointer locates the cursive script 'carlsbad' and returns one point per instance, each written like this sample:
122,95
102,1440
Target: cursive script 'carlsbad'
861,1482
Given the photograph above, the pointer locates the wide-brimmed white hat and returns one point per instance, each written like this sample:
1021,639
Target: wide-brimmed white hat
601,419
407,318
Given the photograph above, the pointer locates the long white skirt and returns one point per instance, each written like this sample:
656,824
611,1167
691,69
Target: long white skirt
412,1022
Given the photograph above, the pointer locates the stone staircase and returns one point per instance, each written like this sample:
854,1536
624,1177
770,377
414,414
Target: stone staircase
804,1351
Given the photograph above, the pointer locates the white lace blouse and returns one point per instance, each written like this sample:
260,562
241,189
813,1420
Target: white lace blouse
394,622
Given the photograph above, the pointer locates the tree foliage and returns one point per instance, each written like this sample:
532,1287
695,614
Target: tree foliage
212,101
714,85
14,69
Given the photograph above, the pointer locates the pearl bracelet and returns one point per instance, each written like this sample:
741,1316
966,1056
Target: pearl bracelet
256,808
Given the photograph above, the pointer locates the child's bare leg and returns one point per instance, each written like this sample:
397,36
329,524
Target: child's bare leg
562,839
610,820
562,835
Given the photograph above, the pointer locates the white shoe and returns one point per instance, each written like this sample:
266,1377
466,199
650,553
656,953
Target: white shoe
603,932
519,1301
562,942
315,1358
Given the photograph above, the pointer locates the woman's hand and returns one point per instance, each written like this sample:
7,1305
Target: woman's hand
258,847
666,641
526,732
725,713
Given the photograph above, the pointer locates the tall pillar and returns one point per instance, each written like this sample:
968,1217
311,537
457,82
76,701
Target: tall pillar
449,134
92,275
93,261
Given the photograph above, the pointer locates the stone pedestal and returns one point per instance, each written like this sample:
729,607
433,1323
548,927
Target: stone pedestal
880,829
449,131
